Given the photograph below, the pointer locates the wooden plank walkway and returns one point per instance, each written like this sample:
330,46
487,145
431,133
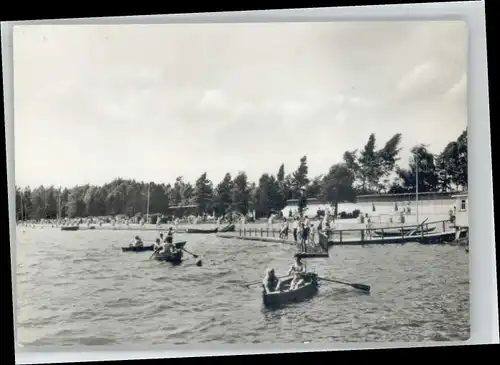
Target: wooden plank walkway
310,252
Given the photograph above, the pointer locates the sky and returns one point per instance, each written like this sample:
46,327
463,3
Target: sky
153,102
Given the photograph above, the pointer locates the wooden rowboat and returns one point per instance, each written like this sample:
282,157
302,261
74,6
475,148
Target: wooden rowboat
286,296
205,231
172,258
228,228
138,249
70,228
175,258
401,232
311,255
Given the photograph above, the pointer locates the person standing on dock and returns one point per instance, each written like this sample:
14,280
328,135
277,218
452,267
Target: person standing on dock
295,229
312,234
369,227
270,222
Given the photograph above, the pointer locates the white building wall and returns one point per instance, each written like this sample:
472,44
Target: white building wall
462,213
433,210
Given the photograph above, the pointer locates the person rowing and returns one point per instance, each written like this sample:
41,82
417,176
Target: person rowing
297,270
271,282
170,235
157,245
168,248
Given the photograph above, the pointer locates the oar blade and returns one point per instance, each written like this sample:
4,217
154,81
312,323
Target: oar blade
361,287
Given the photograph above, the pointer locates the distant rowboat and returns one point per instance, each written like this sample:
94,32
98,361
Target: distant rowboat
138,249
228,228
202,231
70,228
403,231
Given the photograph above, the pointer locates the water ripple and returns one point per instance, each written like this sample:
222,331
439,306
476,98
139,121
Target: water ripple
78,288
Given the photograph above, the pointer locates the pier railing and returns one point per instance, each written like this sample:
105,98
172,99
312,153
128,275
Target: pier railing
359,233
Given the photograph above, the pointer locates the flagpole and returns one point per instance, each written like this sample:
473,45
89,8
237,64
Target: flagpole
59,207
416,185
147,211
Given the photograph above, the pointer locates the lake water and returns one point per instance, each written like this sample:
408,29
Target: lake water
78,288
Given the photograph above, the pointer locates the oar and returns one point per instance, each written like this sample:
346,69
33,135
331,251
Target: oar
195,256
420,225
356,286
155,252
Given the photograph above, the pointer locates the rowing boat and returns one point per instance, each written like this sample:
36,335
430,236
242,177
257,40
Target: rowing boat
286,296
70,228
311,255
228,228
175,258
403,231
197,230
172,258
138,249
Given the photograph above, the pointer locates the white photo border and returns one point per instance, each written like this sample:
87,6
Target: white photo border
483,300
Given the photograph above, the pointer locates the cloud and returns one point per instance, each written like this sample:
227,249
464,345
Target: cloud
229,96
213,99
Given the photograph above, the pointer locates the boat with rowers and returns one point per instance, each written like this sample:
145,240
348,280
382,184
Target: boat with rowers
174,258
284,295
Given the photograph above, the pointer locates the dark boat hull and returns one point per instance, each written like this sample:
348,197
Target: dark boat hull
138,249
70,228
174,259
285,296
228,228
201,231
310,255
405,231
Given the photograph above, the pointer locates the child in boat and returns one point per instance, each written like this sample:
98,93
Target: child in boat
157,245
271,283
298,269
138,242
170,235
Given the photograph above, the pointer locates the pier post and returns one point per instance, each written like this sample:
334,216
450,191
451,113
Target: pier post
340,237
444,226
267,232
362,235
262,232
244,231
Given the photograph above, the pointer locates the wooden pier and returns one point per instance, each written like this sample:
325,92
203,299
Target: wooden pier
309,251
426,233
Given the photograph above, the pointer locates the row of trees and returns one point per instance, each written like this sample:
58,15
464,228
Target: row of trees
365,171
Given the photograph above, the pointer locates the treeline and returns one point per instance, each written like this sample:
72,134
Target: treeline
369,170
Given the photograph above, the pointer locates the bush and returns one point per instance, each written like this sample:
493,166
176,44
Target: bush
355,214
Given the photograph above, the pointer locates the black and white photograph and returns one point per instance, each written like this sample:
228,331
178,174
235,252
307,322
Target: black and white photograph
253,183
